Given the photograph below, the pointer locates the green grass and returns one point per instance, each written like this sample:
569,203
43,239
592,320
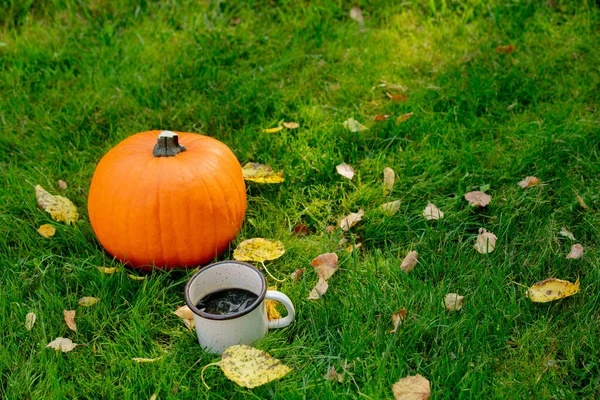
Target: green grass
78,77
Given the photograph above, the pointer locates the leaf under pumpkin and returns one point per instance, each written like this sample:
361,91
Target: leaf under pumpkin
552,289
261,173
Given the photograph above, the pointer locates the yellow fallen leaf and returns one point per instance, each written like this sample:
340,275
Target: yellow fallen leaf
325,265
63,344
136,277
60,208
453,302
70,319
273,130
30,320
404,118
345,170
272,312
576,252
291,125
409,261
354,126
528,182
391,208
351,219
258,249
397,319
486,241
261,173
319,289
88,301
47,230
332,375
146,360
552,289
109,270
388,180
186,315
478,199
249,367
412,388
352,247
432,212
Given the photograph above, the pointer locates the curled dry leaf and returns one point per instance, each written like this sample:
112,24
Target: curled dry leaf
506,49
291,125
478,199
273,130
186,315
552,289
391,208
271,305
261,173
351,219
300,230
396,97
319,289
330,229
62,185
566,233
576,252
333,376
47,230
388,180
581,202
356,14
70,319
60,208
354,126
325,265
413,387
404,117
486,241
109,270
397,319
87,301
432,212
250,367
30,320
297,274
345,170
146,360
63,344
258,249
410,261
381,117
528,182
453,302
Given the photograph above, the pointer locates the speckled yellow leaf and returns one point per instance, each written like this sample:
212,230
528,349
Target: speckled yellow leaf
412,388
70,319
271,305
109,270
63,344
88,301
258,249
186,315
250,367
47,230
60,208
552,289
273,130
388,180
261,173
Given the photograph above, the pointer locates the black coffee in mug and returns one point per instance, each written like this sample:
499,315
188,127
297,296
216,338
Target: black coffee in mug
226,301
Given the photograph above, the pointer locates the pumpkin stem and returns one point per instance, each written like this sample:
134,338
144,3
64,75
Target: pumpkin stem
167,145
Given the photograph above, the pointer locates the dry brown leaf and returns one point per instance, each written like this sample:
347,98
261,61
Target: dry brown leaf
354,126
146,360
351,219
345,170
319,289
291,125
391,208
87,301
404,117
300,230
273,130
30,320
506,49
47,230
325,265
564,232
576,252
581,202
396,97
410,261
63,344
478,199
397,319
432,212
109,270
388,180
186,315
297,274
62,185
528,181
261,173
70,319
330,229
486,241
453,302
381,117
356,14
60,208
412,388
332,375
552,289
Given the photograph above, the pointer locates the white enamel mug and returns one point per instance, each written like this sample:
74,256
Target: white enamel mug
218,332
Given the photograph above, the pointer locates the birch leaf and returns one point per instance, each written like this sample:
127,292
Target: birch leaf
63,344
88,301
409,261
397,319
528,182
552,289
576,252
30,320
392,207
345,170
388,180
70,319
47,230
413,387
319,289
325,265
453,302
186,315
354,126
486,241
478,199
564,232
60,208
432,212
258,249
261,173
351,219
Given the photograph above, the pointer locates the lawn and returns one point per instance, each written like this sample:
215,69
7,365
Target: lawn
77,77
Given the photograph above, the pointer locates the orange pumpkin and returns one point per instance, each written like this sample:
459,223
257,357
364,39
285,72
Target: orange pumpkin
156,202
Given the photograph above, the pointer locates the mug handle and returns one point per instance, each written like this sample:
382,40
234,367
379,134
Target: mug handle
283,299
